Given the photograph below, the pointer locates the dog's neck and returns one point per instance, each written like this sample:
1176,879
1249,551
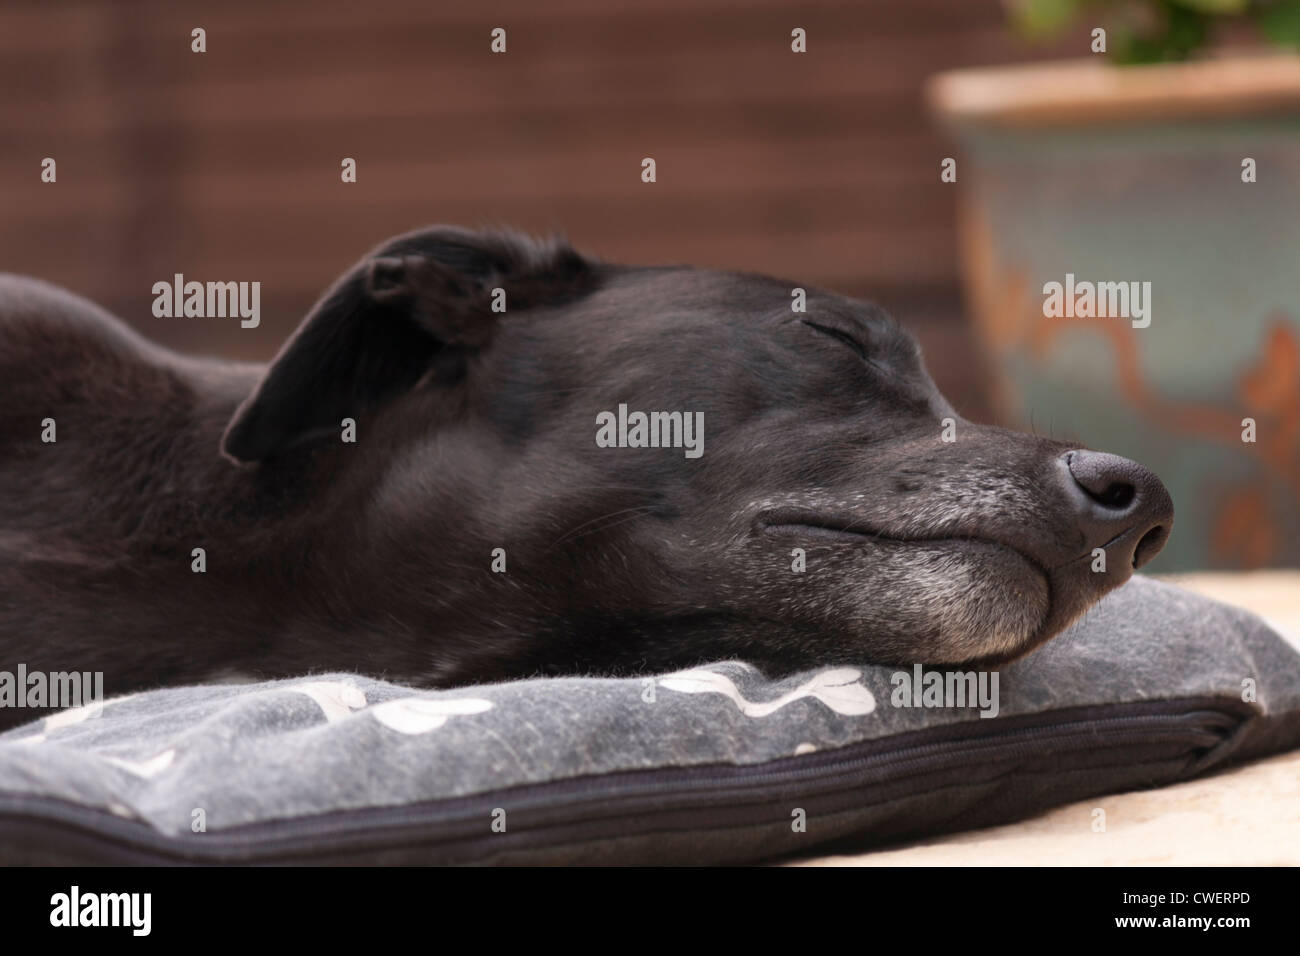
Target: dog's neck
122,524
129,529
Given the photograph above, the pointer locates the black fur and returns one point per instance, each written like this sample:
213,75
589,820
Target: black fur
476,431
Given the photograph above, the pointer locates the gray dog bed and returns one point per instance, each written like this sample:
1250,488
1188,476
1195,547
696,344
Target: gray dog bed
716,764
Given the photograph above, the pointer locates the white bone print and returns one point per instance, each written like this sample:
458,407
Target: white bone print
419,715
837,689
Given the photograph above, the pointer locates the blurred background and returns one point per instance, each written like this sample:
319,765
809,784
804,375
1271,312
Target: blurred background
822,167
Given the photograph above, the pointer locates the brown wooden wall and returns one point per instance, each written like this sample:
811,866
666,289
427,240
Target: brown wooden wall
822,167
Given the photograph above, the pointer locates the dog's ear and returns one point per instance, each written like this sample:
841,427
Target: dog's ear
419,298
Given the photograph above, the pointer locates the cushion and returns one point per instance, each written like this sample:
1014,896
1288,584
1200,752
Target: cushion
714,764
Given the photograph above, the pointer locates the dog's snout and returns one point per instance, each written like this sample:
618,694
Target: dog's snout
1121,506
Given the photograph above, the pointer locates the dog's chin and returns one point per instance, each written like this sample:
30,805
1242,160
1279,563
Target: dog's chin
936,601
967,601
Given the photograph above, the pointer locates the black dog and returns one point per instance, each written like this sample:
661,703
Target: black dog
815,514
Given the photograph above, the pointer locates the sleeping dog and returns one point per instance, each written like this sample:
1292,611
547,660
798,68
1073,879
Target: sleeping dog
483,456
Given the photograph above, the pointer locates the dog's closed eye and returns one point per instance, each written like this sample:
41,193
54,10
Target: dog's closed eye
847,339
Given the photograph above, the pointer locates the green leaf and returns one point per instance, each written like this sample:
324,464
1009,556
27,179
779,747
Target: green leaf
1188,31
1220,7
1280,22
1182,33
1041,18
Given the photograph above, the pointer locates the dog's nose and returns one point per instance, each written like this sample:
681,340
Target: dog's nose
1121,506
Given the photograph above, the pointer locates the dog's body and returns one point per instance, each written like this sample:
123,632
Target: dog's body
476,431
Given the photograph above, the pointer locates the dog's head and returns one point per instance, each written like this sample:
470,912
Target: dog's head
834,507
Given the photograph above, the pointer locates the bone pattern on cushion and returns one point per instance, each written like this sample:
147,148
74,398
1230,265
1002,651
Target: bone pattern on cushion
710,765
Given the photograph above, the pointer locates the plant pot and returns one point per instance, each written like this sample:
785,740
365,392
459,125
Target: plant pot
1135,174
